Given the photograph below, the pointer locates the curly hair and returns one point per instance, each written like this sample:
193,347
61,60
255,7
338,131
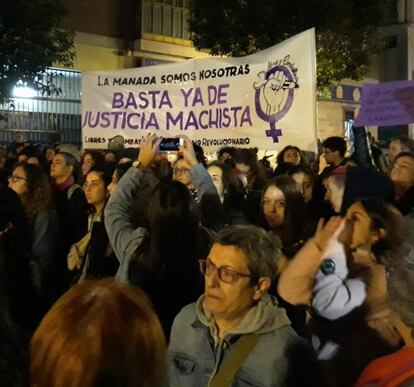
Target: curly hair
39,194
280,157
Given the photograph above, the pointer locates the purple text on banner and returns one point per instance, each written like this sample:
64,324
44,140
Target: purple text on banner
387,104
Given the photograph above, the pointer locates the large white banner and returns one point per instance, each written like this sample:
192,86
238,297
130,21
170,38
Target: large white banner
265,100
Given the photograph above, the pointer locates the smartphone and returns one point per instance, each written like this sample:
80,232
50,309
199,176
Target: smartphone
171,144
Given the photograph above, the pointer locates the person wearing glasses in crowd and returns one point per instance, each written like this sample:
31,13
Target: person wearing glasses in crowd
198,182
183,173
31,183
235,334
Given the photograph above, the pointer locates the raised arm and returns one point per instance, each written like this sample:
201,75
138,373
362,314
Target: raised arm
202,180
122,235
210,206
296,282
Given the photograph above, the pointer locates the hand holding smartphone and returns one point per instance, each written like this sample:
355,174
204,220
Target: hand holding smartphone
171,144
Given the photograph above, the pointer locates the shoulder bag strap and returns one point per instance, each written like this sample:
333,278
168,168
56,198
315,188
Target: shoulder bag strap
232,363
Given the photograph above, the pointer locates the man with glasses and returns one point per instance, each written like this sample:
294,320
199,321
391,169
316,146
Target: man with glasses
236,334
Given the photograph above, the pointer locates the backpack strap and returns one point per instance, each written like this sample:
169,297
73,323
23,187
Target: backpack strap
72,189
232,363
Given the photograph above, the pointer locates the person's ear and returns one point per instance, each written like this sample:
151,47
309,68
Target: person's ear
71,168
262,286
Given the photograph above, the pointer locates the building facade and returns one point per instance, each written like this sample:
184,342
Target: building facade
111,35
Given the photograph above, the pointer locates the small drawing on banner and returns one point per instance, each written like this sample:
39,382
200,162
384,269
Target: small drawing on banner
275,90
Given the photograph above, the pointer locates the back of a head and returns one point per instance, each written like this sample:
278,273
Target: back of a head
294,169
12,212
129,153
29,151
121,169
99,333
173,224
226,149
246,156
199,153
16,287
363,182
170,200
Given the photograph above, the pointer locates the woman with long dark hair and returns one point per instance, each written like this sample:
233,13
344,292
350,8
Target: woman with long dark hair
161,255
90,159
348,295
285,214
32,184
289,156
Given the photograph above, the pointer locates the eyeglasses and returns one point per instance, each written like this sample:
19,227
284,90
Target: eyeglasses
180,171
15,179
225,274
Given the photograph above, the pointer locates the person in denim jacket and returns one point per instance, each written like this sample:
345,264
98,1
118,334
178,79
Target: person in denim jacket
238,273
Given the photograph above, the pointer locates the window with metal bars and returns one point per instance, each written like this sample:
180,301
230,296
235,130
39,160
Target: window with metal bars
45,118
166,17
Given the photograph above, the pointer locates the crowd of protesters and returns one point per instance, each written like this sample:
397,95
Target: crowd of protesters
136,267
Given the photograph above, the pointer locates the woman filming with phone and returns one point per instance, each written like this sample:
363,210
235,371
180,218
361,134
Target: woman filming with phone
161,255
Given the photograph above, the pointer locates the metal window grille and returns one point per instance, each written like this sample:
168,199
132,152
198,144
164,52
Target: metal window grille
46,118
166,17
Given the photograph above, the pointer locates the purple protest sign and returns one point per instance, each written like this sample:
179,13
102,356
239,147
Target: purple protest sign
387,104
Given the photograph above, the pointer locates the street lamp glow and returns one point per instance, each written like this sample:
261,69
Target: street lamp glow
24,92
